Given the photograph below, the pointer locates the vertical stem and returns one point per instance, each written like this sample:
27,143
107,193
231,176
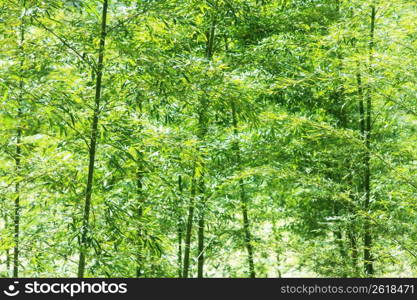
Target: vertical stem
201,134
201,221
189,228
93,143
180,231
361,105
16,231
16,218
6,227
243,199
179,251
368,265
364,186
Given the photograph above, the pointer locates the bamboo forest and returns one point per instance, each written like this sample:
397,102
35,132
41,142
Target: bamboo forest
208,138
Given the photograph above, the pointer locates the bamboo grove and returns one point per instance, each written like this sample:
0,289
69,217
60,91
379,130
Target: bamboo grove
208,138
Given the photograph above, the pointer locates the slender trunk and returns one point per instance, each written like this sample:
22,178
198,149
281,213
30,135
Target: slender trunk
361,105
201,134
243,200
190,220
93,144
16,218
6,227
352,230
179,232
365,183
368,265
16,231
246,228
365,129
201,221
179,251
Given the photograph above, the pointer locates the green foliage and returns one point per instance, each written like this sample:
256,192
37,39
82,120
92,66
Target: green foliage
256,101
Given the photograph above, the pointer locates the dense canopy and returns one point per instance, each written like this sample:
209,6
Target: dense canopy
208,138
